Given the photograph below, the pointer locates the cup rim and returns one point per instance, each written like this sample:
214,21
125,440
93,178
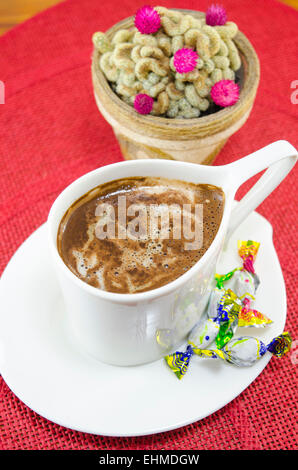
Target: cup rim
140,296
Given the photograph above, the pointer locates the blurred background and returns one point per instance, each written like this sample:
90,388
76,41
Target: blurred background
13,12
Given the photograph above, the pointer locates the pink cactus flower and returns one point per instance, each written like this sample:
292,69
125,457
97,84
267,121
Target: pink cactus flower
216,15
147,20
143,103
185,60
225,93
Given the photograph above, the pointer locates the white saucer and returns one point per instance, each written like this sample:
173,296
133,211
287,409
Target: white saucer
52,376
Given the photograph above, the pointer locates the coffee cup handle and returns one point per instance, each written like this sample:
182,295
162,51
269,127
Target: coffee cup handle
279,157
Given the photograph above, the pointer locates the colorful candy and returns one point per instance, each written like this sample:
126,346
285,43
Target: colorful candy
245,278
216,15
228,306
147,20
246,350
179,361
251,317
222,278
242,352
206,332
215,297
185,60
245,283
228,309
225,93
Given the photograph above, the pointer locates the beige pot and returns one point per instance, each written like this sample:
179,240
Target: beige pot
196,140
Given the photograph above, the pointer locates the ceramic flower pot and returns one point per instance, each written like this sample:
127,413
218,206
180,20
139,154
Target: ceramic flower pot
196,140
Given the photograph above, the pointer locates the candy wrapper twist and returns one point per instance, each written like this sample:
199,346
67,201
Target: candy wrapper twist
228,309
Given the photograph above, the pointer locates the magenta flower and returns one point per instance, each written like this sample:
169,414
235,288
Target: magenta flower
225,93
143,103
147,20
185,60
216,15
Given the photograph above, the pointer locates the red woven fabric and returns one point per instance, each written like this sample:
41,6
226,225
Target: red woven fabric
51,133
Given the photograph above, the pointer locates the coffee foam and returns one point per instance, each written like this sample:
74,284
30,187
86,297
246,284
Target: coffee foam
133,265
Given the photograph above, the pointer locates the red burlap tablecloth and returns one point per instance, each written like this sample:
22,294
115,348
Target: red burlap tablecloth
51,133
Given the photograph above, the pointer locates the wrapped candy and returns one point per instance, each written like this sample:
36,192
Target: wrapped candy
242,352
202,335
247,281
233,314
205,332
245,284
228,309
246,350
215,297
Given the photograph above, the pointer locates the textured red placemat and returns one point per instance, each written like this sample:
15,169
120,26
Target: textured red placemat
51,133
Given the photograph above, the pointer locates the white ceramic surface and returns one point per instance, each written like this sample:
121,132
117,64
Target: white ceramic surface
122,329
44,367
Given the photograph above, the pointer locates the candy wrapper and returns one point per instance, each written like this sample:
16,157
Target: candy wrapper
228,309
222,278
246,350
205,332
201,336
250,317
245,284
215,297
242,352
225,305
248,251
246,281
220,322
222,302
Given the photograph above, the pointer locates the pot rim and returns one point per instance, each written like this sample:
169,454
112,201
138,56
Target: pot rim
206,125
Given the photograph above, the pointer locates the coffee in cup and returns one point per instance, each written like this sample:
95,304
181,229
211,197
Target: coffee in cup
136,234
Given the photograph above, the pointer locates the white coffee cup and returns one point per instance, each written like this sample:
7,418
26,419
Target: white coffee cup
130,329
